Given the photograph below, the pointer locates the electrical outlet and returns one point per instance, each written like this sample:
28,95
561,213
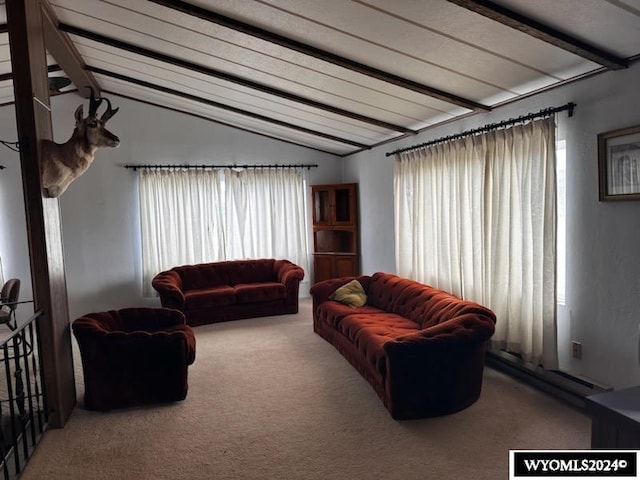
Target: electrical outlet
576,350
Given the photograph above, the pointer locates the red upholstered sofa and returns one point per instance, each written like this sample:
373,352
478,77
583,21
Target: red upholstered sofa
422,349
230,290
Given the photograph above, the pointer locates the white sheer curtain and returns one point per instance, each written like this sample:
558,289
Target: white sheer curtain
266,214
197,215
477,217
181,221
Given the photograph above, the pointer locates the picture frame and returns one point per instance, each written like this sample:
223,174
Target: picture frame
619,164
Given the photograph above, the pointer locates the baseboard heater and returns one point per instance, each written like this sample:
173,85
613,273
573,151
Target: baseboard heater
568,387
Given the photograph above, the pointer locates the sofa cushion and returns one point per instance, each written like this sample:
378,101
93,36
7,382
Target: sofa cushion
370,333
248,271
210,297
351,294
416,303
430,306
384,289
333,312
260,292
201,276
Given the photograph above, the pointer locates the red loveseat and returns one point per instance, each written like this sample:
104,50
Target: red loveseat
230,290
420,348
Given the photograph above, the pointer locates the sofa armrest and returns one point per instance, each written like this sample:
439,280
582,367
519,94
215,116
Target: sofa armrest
169,286
97,347
439,369
287,272
149,319
290,275
467,328
178,342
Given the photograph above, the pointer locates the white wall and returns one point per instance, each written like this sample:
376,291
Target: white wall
603,265
14,250
100,214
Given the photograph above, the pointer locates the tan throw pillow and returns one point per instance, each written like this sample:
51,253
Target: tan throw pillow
351,294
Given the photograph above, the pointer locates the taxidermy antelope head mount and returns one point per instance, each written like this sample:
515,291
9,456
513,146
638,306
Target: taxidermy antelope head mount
62,163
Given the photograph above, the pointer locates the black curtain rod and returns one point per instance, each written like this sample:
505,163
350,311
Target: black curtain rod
546,112
167,167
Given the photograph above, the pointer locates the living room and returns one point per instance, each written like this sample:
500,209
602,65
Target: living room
103,204
100,211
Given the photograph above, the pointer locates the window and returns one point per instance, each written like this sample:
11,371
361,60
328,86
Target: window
202,215
476,216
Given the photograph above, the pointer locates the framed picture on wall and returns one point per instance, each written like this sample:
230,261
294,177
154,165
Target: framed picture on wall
619,164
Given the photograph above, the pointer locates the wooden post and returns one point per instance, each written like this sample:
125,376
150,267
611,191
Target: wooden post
44,228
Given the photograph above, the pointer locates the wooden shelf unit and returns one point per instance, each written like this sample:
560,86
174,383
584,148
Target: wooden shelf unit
335,231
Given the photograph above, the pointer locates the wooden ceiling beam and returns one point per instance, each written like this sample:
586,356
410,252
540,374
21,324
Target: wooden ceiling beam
65,53
318,53
222,106
9,76
542,32
213,120
43,219
179,62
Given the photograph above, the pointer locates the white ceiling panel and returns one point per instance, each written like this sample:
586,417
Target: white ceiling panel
228,118
5,67
360,72
230,41
5,53
6,92
225,92
481,34
443,56
612,25
428,41
250,63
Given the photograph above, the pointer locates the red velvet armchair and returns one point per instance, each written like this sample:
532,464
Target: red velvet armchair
134,356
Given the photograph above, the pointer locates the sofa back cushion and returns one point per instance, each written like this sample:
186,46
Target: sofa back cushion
232,272
384,289
250,271
429,306
202,275
420,303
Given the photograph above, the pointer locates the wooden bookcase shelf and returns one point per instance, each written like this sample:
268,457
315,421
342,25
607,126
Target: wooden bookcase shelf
335,231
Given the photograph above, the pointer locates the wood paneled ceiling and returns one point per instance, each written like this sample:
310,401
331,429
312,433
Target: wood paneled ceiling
335,75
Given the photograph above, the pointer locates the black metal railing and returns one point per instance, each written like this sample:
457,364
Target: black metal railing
24,413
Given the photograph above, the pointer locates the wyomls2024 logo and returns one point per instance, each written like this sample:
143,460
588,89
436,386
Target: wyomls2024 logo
547,464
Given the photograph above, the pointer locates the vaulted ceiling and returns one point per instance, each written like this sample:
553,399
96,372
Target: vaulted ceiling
335,75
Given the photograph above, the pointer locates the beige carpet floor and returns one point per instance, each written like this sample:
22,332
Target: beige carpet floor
269,399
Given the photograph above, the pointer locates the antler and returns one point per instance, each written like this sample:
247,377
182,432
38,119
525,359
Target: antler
93,103
109,112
